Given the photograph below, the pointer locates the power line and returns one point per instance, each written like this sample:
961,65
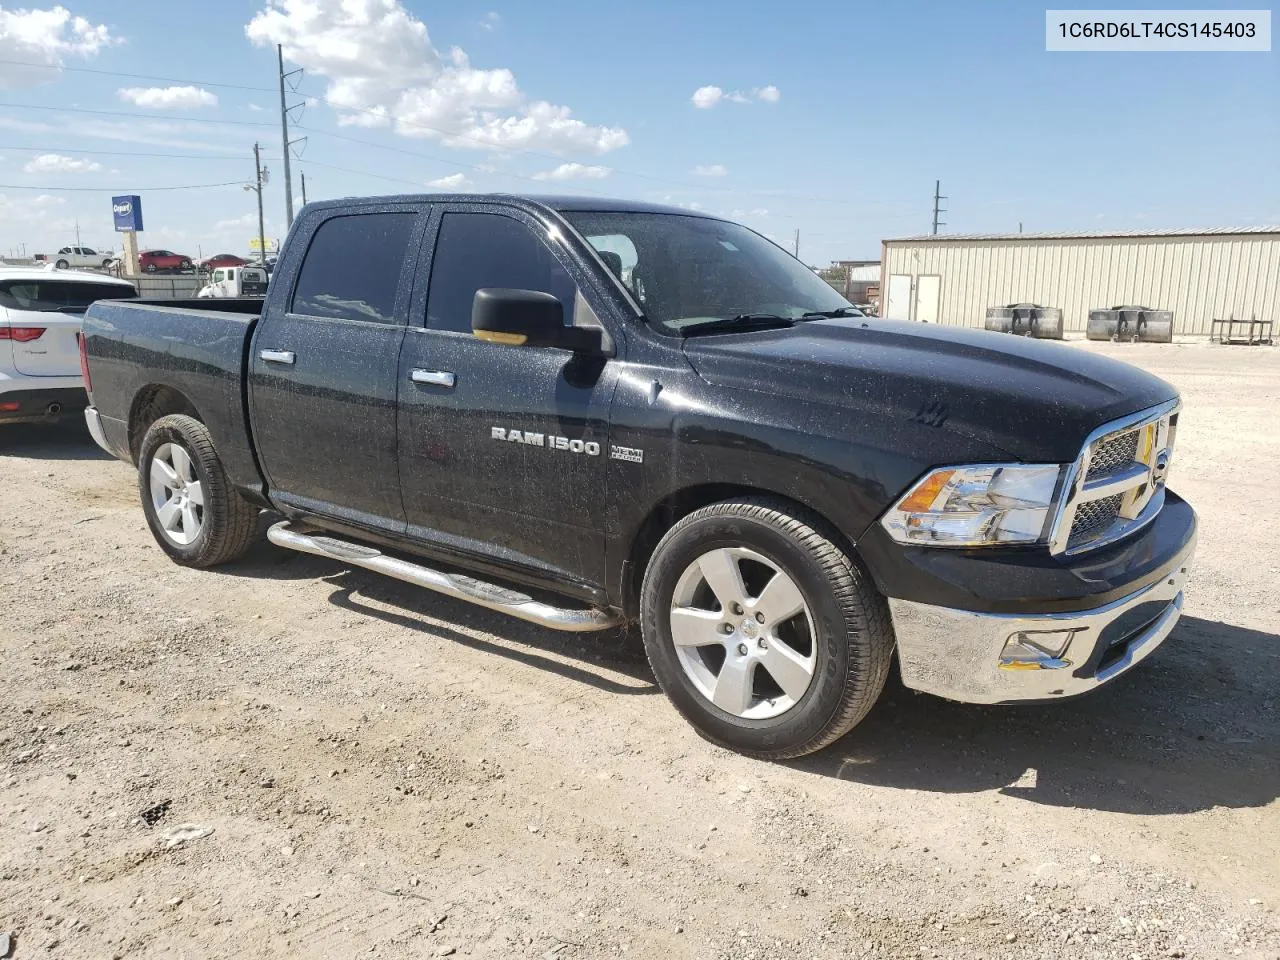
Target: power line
417,125
129,153
191,186
133,116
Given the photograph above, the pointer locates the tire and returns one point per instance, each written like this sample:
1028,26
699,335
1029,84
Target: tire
62,265
150,268
221,526
842,636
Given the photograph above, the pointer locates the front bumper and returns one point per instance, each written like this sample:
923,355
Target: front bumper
959,654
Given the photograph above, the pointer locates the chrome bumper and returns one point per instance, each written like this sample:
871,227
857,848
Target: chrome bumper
958,654
94,422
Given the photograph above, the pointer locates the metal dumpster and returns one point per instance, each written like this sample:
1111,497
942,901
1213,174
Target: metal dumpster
1026,320
1131,324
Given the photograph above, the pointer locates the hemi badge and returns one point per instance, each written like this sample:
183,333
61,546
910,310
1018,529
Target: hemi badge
630,454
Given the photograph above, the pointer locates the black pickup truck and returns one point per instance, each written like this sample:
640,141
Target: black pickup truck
592,413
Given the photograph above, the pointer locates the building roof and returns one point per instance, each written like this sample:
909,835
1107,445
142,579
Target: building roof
867,273
1086,235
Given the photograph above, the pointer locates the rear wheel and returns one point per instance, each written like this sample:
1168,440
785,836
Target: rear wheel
193,511
150,268
62,264
767,637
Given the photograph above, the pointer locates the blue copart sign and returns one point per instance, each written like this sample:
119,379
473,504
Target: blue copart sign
127,212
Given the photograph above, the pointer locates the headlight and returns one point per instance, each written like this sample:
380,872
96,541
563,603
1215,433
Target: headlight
976,506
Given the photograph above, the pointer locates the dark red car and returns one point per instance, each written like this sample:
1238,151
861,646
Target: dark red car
223,260
153,261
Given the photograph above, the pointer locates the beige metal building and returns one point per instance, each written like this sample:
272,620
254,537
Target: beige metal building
1198,274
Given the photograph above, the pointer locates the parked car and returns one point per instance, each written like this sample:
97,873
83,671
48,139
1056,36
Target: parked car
221,260
154,261
784,494
40,313
235,282
77,257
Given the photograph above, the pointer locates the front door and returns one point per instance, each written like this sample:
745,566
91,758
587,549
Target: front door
323,367
503,448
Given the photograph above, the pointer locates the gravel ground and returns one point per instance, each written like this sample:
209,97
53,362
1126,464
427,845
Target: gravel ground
287,758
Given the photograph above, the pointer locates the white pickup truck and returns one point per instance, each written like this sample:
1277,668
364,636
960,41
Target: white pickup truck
69,258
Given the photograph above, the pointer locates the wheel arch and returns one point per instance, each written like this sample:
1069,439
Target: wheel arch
152,402
674,507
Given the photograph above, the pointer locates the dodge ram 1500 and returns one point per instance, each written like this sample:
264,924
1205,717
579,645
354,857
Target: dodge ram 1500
609,413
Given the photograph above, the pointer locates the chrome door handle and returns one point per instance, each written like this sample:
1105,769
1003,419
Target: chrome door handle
435,378
277,356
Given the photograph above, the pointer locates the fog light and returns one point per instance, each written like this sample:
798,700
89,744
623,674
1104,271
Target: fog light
1036,650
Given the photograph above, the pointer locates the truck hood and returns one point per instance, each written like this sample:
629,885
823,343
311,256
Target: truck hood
1036,401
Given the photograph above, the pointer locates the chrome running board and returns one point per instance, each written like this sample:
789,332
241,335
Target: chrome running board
450,584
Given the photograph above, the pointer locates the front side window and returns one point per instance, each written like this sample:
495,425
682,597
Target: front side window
478,250
692,274
352,268
50,296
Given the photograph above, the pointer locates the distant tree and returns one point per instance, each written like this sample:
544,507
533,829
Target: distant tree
835,274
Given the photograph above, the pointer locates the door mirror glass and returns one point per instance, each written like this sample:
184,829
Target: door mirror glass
527,318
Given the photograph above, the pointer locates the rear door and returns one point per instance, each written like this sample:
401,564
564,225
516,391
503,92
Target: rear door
323,366
42,318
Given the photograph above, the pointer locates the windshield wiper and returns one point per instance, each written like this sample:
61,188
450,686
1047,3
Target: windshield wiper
832,314
742,322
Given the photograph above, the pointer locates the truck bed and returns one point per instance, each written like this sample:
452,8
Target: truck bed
196,347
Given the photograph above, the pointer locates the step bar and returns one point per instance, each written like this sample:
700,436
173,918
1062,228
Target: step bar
456,585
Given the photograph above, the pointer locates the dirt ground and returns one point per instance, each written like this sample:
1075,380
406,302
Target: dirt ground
388,773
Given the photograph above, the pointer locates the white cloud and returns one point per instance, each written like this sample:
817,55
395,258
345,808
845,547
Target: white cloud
710,170
57,163
491,21
704,98
454,181
166,98
44,37
254,108
575,171
381,64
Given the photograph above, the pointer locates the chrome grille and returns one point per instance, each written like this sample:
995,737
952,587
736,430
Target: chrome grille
1116,485
1092,519
1117,450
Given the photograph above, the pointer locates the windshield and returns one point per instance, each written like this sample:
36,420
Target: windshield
53,295
694,273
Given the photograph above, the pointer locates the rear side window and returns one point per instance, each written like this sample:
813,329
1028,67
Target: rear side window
352,268
59,295
478,250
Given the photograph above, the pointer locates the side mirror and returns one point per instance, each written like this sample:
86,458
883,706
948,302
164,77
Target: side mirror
527,318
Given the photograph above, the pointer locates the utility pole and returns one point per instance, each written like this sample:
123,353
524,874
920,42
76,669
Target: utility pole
304,187
937,205
261,178
796,250
286,143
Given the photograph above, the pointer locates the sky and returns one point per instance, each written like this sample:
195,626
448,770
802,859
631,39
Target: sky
830,118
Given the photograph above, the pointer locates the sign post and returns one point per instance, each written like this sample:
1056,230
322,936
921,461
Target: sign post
127,211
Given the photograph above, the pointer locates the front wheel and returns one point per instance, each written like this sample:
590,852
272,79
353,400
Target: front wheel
195,514
766,636
150,268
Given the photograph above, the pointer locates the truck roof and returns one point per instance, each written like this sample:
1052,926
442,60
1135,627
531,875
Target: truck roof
549,201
